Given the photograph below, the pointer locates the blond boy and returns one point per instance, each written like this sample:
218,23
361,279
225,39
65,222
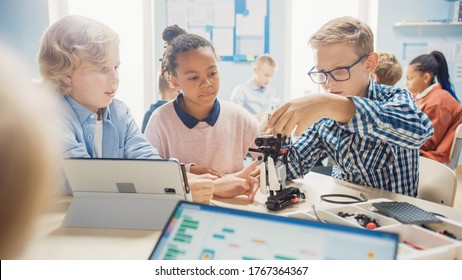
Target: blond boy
372,133
388,70
256,95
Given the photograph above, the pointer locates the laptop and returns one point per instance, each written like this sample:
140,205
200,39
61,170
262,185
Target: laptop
198,231
122,193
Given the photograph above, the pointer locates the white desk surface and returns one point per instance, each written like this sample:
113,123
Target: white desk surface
51,241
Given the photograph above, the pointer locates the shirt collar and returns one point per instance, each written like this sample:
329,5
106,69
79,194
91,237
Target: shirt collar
425,92
255,87
83,113
375,92
191,121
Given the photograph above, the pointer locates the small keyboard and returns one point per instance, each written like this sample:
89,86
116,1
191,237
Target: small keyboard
406,213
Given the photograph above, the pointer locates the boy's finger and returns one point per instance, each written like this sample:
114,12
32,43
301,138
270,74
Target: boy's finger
282,124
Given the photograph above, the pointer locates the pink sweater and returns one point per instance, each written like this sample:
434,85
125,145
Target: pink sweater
222,146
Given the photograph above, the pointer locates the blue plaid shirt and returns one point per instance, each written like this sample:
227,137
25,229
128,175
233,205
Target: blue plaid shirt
378,147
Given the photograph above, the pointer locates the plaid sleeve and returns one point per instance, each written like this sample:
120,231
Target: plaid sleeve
397,120
309,148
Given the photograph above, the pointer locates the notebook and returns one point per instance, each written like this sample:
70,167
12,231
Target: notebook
198,231
122,193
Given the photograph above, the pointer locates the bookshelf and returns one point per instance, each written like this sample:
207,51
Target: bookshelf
421,28
425,23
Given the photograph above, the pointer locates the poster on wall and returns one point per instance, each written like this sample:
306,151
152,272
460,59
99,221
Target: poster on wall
238,29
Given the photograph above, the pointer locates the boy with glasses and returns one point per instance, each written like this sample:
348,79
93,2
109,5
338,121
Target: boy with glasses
372,133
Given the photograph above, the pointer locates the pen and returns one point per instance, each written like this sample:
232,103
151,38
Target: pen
417,247
185,181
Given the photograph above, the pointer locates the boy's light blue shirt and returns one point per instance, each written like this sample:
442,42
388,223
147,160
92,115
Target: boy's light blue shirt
256,100
121,136
378,147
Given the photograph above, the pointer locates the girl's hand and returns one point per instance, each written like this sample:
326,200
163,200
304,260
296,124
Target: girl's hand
202,188
243,182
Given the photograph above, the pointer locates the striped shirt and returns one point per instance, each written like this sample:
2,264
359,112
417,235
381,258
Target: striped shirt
378,147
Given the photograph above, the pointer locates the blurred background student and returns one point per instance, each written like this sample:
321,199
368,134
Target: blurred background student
388,71
166,93
427,78
27,150
257,95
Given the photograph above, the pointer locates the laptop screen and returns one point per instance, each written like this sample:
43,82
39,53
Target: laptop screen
198,231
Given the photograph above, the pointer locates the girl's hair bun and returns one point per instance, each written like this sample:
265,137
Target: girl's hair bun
171,32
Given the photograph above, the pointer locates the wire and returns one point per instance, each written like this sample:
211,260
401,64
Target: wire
316,214
354,199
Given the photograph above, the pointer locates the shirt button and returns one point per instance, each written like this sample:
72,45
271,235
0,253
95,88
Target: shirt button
89,136
92,116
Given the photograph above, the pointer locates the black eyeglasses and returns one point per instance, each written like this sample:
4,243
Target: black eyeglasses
339,74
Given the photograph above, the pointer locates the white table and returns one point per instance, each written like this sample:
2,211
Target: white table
51,241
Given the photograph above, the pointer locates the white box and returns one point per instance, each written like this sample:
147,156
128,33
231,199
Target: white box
437,246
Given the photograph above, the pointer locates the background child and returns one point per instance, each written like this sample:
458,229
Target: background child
372,133
166,93
27,154
388,70
256,95
200,128
437,99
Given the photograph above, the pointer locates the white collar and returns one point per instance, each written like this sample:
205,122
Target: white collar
425,92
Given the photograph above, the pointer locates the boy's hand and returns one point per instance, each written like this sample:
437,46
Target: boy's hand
264,128
205,170
202,188
302,112
299,113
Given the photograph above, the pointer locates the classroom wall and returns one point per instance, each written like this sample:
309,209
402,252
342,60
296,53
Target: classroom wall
233,73
306,21
21,26
390,38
